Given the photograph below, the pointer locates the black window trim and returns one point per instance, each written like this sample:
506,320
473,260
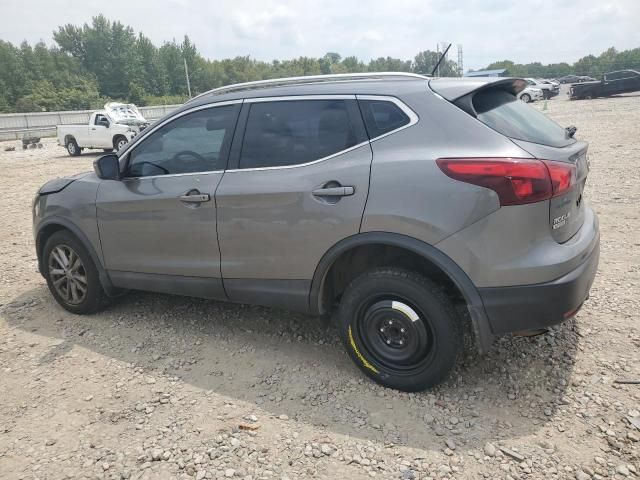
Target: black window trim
413,119
149,131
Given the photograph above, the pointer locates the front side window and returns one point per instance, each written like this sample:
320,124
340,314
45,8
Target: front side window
382,116
294,132
192,143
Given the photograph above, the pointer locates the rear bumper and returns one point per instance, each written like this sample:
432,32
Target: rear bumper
531,307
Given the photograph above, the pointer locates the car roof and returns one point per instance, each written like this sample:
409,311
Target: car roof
362,83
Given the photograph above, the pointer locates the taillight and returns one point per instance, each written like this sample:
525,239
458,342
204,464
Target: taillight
517,181
563,176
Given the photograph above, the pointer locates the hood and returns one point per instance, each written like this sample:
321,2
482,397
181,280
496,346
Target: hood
59,184
124,114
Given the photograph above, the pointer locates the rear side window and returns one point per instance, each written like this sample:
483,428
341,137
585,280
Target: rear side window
294,132
503,112
382,116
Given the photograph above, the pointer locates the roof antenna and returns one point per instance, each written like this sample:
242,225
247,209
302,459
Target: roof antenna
440,60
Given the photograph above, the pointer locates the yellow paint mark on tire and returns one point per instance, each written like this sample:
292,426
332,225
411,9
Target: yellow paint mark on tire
359,355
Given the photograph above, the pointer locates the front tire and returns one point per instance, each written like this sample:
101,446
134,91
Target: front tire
525,97
71,275
400,329
119,142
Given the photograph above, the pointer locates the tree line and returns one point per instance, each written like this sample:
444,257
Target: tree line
591,65
106,60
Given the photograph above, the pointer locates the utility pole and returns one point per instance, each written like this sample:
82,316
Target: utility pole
460,61
186,72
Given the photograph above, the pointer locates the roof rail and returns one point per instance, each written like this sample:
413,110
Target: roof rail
337,77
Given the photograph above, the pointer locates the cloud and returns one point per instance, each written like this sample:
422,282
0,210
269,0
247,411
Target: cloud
279,23
489,30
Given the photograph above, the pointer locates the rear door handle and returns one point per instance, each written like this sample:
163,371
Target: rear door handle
334,192
195,198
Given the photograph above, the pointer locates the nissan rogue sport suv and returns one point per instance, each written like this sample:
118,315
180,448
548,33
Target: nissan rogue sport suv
412,210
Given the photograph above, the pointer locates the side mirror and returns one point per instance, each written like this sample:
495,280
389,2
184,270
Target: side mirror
107,167
104,122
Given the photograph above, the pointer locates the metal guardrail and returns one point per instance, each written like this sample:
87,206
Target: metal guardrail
16,126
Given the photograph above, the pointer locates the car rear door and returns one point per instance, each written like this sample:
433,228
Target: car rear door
297,184
158,224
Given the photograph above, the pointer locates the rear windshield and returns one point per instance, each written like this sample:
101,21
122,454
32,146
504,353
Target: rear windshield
503,112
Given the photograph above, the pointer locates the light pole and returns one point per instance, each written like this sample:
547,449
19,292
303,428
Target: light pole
186,72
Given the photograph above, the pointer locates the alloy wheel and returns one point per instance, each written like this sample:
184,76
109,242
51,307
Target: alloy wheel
68,274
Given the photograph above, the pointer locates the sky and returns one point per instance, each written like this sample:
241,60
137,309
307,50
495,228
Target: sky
488,30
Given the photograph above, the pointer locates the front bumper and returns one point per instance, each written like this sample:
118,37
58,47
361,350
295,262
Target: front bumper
532,307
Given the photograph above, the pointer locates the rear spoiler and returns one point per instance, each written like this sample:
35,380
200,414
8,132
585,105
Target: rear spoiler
454,88
460,91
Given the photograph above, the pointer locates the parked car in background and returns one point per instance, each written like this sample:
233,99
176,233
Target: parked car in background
585,78
549,90
108,129
531,94
612,83
411,210
569,79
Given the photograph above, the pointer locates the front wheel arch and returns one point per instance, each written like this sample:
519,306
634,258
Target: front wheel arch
117,139
48,228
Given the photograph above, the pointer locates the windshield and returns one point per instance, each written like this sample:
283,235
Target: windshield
503,112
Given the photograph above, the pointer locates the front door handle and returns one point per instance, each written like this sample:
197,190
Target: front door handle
334,192
195,198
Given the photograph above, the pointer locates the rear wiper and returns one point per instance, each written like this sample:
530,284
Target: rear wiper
571,131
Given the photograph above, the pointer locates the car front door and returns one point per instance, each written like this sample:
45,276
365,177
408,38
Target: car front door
158,224
297,184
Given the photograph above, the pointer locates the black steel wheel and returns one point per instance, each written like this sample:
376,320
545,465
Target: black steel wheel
399,328
396,333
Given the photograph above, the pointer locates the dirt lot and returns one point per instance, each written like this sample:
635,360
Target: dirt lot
171,387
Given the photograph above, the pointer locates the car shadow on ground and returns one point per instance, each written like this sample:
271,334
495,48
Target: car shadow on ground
289,363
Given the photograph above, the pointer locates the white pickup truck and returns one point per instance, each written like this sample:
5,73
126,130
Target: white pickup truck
109,129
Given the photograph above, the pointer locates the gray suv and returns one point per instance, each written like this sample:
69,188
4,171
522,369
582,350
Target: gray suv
413,211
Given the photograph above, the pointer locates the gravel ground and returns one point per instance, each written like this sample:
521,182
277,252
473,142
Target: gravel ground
172,387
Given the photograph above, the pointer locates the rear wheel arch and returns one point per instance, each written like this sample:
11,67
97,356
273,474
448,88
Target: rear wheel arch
359,253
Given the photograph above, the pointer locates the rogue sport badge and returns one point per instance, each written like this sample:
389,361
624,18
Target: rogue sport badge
561,220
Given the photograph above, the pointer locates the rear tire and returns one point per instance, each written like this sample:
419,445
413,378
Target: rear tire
400,329
73,148
71,274
525,97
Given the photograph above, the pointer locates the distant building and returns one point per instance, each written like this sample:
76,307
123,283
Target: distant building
501,72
